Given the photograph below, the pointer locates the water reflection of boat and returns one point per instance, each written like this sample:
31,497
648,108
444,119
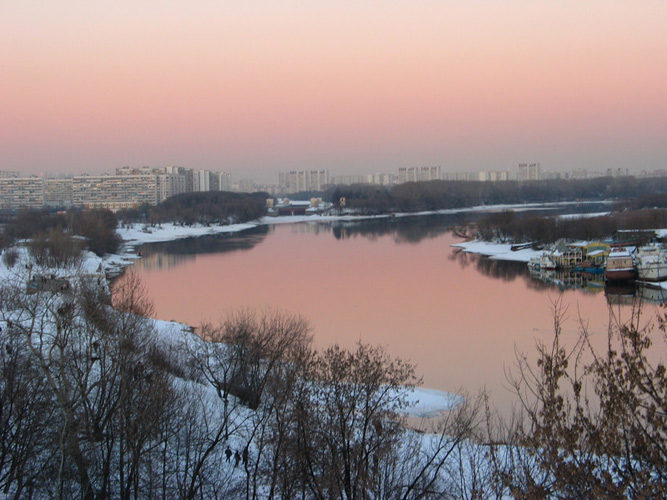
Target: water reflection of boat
653,293
589,268
620,292
567,279
651,263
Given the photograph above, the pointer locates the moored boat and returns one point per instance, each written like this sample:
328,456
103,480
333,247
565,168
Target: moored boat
542,262
620,266
651,261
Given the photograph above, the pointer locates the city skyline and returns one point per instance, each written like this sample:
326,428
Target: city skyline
256,89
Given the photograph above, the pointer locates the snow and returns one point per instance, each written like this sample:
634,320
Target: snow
499,251
135,234
583,216
427,403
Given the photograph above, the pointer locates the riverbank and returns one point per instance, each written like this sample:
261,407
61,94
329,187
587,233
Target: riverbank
503,251
498,251
137,234
425,403
134,235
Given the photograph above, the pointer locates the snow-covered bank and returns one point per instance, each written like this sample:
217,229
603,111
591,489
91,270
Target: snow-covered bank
137,234
499,251
427,403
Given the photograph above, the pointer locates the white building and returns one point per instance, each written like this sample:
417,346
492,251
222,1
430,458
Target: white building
529,172
297,181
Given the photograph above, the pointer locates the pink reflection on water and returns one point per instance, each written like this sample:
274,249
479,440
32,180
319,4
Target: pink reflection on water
460,327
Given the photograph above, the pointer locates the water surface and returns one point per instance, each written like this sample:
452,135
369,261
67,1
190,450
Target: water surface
460,317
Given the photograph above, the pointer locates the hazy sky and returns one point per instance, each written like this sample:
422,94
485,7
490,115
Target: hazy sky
255,88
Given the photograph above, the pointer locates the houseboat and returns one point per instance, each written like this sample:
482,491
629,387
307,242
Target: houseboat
620,265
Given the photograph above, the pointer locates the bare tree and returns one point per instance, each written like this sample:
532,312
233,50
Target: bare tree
245,360
348,420
103,377
598,420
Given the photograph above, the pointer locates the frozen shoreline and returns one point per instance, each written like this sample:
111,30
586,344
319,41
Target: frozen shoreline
140,233
426,402
498,251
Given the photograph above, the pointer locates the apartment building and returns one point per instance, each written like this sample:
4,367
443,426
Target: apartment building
303,180
115,192
224,181
17,192
349,180
381,179
419,174
58,193
529,172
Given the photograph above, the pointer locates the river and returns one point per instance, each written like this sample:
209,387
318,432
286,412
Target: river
461,318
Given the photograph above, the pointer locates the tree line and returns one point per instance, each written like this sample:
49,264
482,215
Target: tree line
53,234
437,195
510,226
210,207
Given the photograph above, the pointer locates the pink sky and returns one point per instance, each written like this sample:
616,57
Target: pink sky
255,88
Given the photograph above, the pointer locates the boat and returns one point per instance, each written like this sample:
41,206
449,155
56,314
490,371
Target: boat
620,266
651,262
589,267
542,262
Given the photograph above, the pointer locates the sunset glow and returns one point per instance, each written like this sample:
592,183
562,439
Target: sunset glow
254,88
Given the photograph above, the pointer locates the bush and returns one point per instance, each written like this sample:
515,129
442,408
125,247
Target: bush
10,257
596,427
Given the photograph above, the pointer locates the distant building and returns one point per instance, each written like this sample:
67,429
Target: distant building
381,179
498,175
246,186
529,172
58,193
224,181
297,181
115,192
201,180
349,180
419,174
17,192
617,172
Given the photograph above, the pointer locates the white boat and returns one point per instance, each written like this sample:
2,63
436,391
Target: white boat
651,261
542,262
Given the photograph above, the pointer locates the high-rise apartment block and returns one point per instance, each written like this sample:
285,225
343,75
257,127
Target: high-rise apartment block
128,188
115,192
17,192
529,172
419,174
303,180
58,193
224,181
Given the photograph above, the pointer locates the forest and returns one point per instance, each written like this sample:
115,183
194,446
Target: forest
512,227
210,207
437,195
